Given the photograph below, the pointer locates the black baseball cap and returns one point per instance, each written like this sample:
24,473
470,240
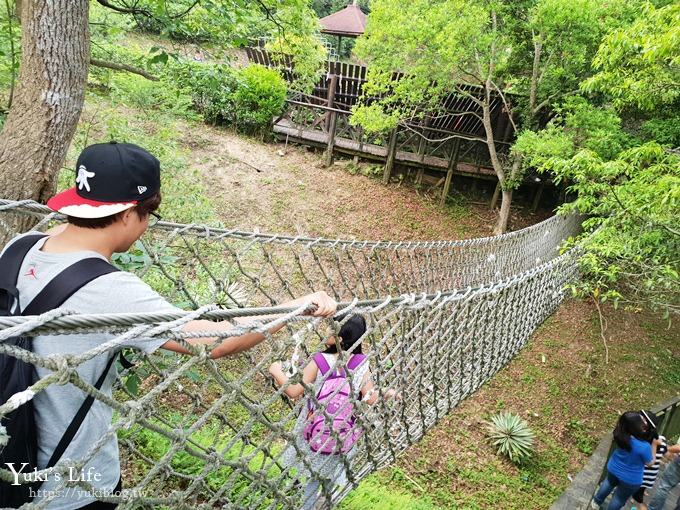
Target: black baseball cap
110,178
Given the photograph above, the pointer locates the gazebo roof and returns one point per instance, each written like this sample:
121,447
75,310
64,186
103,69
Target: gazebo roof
349,22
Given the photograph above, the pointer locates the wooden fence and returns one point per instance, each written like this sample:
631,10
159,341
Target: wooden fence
449,140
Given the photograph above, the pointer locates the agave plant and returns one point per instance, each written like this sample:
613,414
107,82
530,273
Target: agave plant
511,435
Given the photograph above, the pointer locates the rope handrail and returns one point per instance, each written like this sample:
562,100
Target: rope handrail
26,206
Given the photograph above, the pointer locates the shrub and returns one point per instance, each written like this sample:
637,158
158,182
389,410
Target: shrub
259,97
246,99
212,88
511,435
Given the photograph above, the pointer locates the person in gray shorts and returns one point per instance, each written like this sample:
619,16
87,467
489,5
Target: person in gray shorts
115,198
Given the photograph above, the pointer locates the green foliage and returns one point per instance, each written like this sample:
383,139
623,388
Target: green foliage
323,8
562,36
212,88
577,125
664,127
579,431
632,238
432,43
540,45
258,99
639,65
511,435
307,55
628,188
208,438
372,495
247,98
10,50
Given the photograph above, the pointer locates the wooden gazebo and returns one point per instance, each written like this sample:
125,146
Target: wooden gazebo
348,22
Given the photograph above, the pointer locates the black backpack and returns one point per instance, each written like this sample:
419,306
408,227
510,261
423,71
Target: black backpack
17,376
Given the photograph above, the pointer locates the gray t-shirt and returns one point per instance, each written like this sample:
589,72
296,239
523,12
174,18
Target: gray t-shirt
55,407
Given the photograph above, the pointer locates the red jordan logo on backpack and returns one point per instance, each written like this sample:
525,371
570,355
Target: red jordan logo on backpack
31,272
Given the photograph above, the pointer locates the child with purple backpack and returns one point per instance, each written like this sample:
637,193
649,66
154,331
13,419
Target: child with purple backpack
326,430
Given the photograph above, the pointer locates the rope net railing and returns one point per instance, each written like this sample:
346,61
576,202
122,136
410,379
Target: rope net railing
442,317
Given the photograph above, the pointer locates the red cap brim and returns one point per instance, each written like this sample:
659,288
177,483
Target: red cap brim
71,204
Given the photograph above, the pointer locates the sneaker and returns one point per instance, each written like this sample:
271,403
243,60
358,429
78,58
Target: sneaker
593,505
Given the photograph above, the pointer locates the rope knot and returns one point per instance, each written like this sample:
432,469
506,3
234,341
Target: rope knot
62,368
134,410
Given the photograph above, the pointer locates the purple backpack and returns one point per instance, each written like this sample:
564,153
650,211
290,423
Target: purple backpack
337,434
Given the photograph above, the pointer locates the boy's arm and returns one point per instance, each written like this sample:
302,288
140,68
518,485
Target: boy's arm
325,307
672,451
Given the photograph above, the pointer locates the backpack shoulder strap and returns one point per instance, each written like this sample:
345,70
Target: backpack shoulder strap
52,296
66,283
355,361
14,256
321,362
78,419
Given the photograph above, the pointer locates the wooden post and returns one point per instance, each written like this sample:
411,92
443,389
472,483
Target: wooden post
360,133
537,196
391,152
453,162
496,194
422,145
330,99
331,139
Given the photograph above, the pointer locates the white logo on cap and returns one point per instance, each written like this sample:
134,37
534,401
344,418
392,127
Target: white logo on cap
141,189
83,176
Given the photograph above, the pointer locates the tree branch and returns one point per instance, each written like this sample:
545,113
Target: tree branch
177,16
507,107
642,219
603,329
538,46
125,10
123,67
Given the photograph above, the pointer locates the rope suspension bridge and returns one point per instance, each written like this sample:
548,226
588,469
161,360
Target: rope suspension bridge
442,318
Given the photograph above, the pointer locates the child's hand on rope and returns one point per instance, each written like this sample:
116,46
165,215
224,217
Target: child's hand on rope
392,394
275,369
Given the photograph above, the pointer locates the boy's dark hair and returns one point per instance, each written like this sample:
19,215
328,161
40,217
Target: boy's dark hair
351,331
143,209
629,424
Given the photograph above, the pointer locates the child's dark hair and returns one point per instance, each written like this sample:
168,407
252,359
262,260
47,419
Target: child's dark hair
653,423
351,331
629,424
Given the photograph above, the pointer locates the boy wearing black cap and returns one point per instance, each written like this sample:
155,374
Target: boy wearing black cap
117,191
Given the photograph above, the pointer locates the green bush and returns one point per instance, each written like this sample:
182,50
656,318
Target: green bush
212,88
246,99
259,97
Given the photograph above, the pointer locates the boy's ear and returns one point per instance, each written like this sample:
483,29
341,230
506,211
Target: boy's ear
125,216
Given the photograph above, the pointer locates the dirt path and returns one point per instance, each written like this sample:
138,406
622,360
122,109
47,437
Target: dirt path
275,188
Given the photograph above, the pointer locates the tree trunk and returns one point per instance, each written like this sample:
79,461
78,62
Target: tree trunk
48,99
504,214
502,223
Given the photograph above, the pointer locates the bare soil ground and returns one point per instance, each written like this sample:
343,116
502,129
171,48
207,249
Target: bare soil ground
286,189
